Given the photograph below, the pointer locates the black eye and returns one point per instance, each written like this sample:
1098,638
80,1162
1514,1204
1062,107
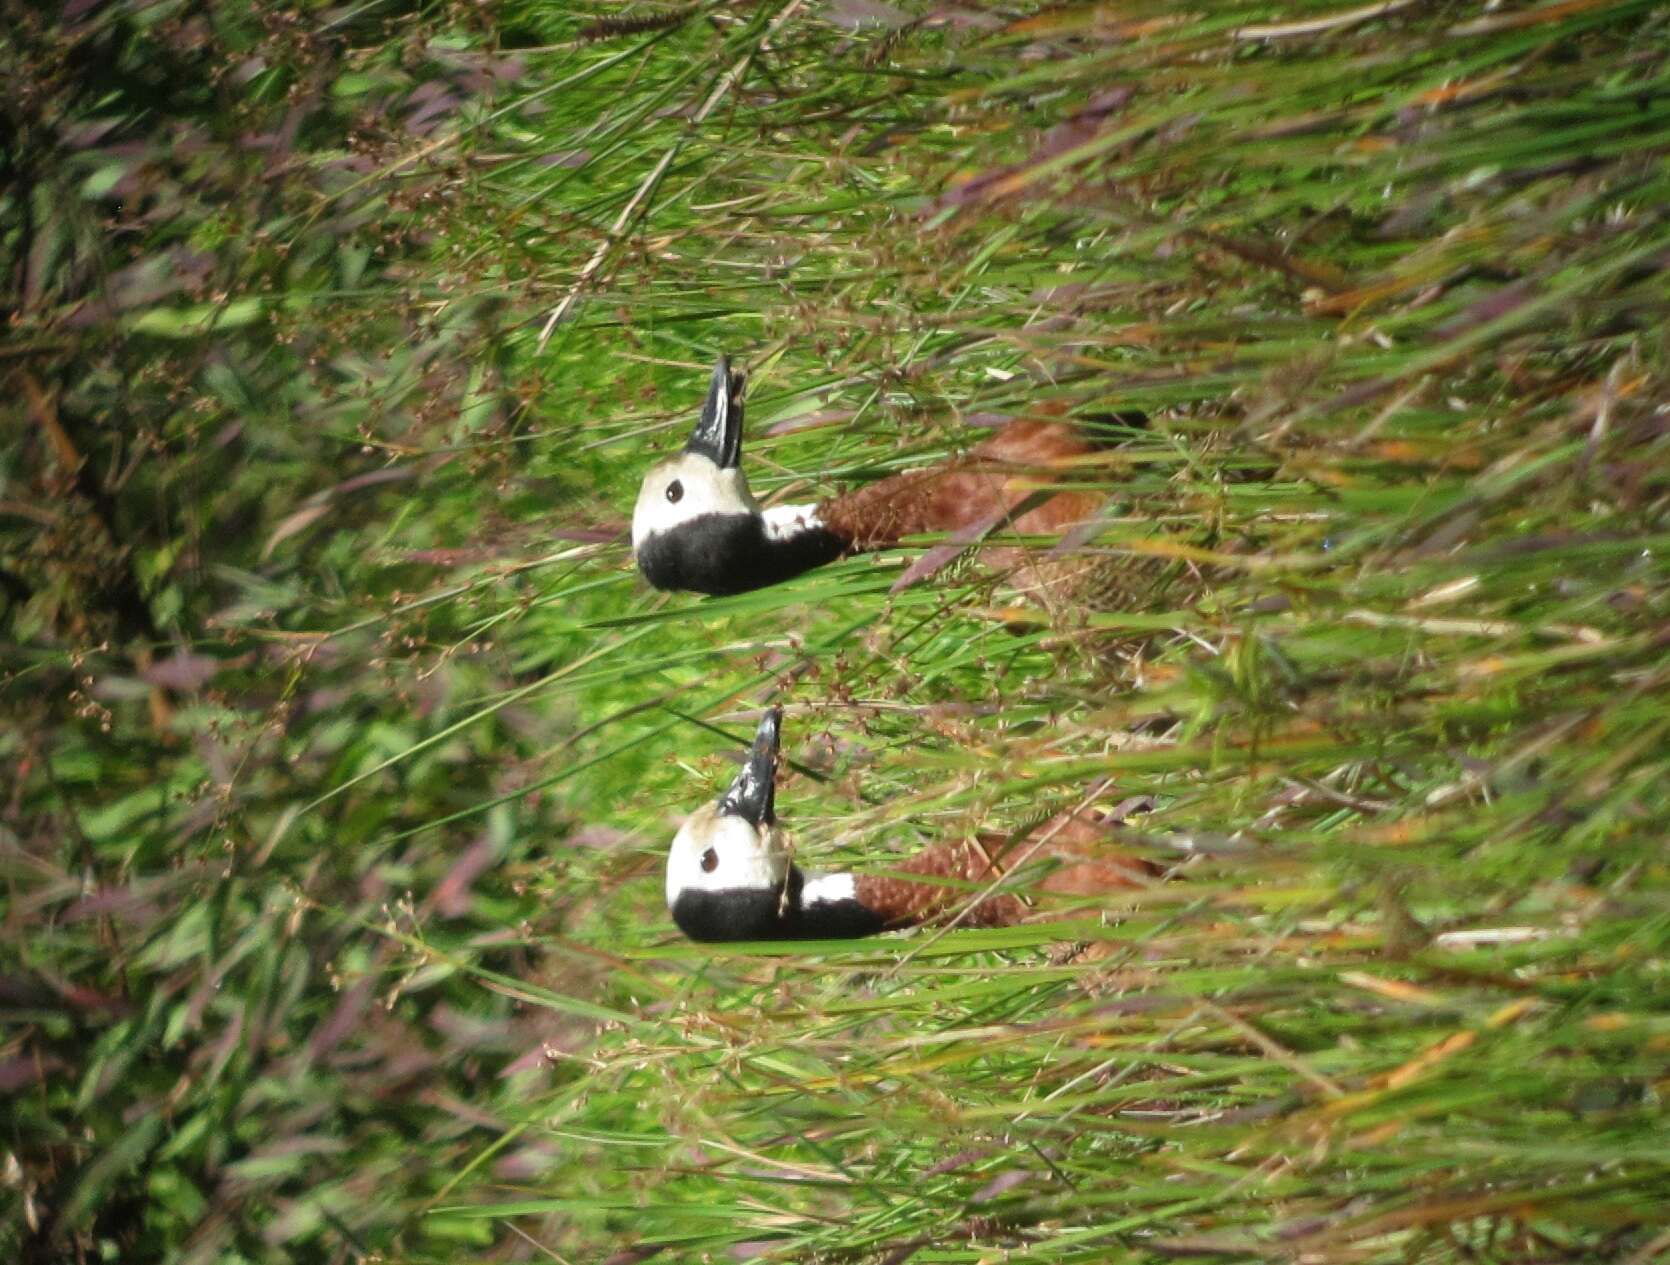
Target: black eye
675,491
710,858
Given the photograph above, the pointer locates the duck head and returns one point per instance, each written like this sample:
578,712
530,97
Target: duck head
697,526
695,510
728,867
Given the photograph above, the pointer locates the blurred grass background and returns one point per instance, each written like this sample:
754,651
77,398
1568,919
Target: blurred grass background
344,743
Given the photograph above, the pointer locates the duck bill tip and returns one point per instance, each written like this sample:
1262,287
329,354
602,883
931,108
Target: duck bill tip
768,736
752,795
718,432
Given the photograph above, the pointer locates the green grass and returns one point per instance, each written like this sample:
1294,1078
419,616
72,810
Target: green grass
348,745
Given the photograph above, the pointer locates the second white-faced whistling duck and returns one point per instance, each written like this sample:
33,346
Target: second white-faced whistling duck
730,875
697,526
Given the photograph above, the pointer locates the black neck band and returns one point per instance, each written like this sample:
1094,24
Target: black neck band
731,553
751,913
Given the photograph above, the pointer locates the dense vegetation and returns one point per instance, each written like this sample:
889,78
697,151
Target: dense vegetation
345,744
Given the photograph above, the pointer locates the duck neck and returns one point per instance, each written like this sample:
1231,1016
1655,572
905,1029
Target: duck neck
826,907
792,539
737,553
727,553
804,907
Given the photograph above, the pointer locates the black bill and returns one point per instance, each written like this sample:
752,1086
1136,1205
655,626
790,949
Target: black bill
752,796
718,433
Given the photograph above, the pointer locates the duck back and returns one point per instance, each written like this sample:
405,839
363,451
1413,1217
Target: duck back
963,494
935,882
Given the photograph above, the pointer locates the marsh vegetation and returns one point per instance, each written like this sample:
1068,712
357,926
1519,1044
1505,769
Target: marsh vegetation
345,744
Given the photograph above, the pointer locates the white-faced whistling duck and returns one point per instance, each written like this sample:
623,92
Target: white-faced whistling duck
697,526
730,876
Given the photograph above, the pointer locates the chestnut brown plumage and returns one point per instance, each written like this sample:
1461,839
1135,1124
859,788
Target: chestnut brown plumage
995,479
1075,853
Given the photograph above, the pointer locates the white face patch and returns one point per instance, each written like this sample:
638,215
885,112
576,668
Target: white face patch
686,487
782,522
828,888
742,856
